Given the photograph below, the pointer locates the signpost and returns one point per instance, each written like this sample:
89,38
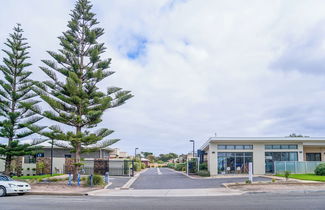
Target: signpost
250,170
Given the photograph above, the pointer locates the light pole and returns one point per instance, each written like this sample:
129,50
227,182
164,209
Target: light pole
135,152
193,147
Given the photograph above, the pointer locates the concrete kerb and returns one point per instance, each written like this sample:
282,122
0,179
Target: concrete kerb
132,180
57,194
168,193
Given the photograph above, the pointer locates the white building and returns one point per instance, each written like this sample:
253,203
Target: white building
231,155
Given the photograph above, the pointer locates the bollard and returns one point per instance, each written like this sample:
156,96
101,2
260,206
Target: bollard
78,179
107,177
70,180
91,180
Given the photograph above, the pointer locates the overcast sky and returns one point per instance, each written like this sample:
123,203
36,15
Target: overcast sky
197,68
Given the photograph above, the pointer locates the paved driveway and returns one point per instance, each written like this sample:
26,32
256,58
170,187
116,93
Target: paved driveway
169,179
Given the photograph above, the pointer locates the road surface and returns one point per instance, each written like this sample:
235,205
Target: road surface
251,202
164,178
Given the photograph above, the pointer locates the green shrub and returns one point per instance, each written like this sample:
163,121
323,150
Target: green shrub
248,181
171,165
204,166
143,166
137,166
203,173
97,180
287,174
180,167
320,170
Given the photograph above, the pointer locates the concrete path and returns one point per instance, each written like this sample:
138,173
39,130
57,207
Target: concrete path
164,178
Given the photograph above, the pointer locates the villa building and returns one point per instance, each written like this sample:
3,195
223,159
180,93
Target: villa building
231,155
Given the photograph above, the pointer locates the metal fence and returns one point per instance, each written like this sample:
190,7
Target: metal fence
296,167
115,168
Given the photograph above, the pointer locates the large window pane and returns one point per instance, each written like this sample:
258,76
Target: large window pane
293,156
276,156
284,156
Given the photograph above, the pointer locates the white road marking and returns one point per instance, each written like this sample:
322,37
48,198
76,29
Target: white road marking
158,171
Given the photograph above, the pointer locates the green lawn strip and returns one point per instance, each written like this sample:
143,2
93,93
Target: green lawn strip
36,177
311,177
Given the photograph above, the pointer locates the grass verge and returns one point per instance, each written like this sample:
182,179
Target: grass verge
311,177
36,177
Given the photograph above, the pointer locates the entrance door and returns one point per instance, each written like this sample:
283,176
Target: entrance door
313,157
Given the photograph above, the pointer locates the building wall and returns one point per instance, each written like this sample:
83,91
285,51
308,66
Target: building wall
213,161
258,154
309,149
60,153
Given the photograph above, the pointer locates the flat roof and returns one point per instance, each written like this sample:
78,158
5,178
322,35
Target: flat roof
261,139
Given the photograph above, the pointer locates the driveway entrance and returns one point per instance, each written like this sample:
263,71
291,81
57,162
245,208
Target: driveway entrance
164,178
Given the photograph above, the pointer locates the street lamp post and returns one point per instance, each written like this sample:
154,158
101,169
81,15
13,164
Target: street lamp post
193,147
135,152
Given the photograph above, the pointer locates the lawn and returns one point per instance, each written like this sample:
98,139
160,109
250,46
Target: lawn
311,177
36,177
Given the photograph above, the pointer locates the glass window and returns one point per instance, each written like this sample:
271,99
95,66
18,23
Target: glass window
293,156
221,154
40,155
221,146
268,146
284,156
276,146
240,147
230,147
29,159
313,156
67,156
293,146
248,146
276,156
239,154
284,146
248,154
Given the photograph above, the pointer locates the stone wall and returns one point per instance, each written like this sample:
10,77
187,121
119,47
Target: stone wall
101,166
68,166
43,165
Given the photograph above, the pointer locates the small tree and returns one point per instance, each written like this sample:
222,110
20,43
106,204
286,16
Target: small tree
16,98
75,99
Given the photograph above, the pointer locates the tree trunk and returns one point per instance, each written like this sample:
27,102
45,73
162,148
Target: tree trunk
77,158
77,163
8,165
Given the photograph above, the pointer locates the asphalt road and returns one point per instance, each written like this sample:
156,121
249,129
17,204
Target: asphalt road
169,179
251,202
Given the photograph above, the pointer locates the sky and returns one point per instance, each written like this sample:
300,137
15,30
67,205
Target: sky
198,69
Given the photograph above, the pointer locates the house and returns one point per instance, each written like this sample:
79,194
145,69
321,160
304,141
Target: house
41,162
231,155
116,153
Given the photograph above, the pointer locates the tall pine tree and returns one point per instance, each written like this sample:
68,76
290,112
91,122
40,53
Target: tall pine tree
17,121
73,94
